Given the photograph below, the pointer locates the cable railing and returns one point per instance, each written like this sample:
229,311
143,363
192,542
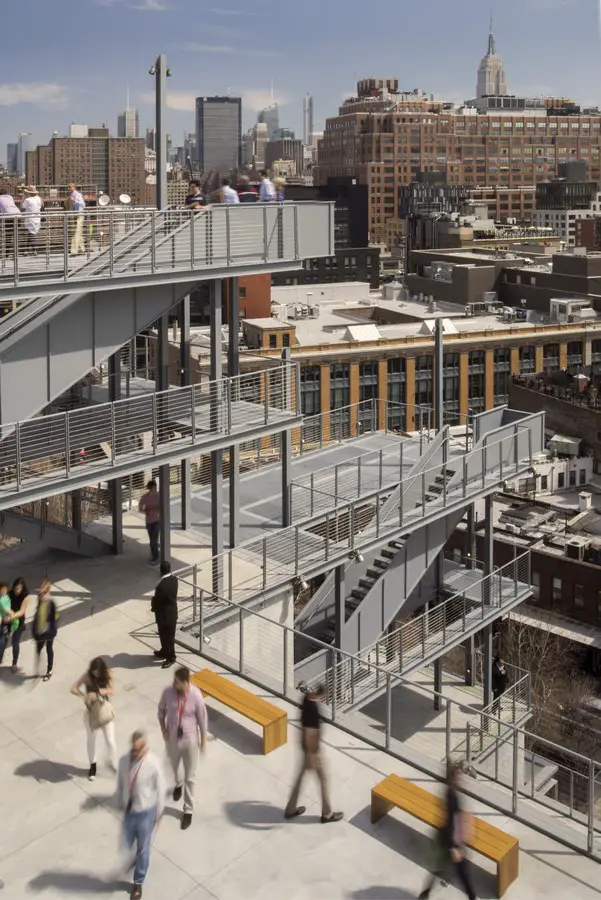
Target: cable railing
93,438
512,707
531,773
104,243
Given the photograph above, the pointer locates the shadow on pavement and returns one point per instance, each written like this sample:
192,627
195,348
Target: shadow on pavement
46,770
258,816
379,892
76,883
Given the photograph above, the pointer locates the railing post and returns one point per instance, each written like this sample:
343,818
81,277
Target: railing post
228,399
484,463
266,381
352,680
388,710
153,243
312,483
514,784
65,247
464,476
591,806
358,476
285,663
296,560
464,610
18,454
193,412
228,242
201,630
448,729
468,744
571,791
423,493
241,647
265,242
113,436
67,447
334,683
192,219
154,424
195,594
327,535
111,242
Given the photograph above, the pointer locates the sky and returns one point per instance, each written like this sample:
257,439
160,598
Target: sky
73,60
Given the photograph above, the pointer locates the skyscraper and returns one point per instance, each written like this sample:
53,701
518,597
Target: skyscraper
11,158
491,73
270,116
24,144
218,134
128,124
308,119
150,138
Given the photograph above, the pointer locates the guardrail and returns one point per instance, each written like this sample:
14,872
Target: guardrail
260,648
96,243
140,427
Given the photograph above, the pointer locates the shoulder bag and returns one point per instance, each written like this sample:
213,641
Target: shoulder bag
100,711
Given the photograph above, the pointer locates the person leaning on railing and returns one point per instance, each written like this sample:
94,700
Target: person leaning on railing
8,213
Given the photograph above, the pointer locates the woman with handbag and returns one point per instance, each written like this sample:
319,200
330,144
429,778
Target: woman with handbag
97,684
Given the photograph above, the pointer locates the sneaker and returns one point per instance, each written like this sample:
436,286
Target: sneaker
334,817
177,793
136,892
186,821
92,772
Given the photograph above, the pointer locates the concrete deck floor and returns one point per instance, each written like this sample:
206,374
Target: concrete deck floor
59,836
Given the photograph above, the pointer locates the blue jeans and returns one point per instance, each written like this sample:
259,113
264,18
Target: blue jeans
154,530
137,829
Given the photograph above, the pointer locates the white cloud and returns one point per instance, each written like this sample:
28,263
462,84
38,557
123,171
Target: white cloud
259,99
229,50
182,101
37,93
228,12
140,6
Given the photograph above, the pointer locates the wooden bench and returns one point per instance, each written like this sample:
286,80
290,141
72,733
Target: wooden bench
491,842
273,721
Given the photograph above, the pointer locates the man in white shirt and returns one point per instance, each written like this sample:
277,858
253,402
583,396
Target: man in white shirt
32,208
141,793
229,194
77,204
266,188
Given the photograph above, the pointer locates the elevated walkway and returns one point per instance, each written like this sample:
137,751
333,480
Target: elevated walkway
72,313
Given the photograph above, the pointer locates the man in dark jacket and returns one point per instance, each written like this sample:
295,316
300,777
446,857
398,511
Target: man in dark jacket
164,607
499,682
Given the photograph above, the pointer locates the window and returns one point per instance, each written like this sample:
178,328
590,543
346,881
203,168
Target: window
368,391
556,594
550,357
450,388
573,478
423,381
578,596
397,393
339,386
543,482
273,341
561,479
536,587
502,365
527,359
310,390
242,293
476,379
582,476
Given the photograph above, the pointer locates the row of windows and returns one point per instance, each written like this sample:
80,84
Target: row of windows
557,594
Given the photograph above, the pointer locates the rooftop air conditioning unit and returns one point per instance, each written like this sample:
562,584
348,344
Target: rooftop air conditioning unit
511,528
575,550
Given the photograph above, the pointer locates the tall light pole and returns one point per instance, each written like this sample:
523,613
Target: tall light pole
161,73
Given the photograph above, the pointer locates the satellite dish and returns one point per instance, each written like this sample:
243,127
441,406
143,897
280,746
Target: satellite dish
104,200
125,199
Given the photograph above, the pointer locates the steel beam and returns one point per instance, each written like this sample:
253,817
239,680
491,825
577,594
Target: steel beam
233,370
162,384
185,379
216,374
160,135
438,374
339,604
486,594
286,447
116,485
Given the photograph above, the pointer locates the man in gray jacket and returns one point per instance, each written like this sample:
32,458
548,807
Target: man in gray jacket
141,793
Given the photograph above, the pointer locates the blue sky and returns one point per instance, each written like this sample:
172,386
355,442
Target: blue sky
72,60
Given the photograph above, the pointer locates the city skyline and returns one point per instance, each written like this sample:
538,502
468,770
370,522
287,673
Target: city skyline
437,49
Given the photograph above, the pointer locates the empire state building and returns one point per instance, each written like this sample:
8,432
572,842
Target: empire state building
491,74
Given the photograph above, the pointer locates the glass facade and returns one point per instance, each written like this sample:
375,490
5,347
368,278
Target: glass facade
424,392
476,381
575,357
340,394
368,390
527,360
397,393
310,390
502,369
550,357
450,388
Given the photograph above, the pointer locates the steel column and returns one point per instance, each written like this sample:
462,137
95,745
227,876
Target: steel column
217,455
286,446
185,379
438,374
116,485
487,595
162,384
160,74
233,370
339,604
437,682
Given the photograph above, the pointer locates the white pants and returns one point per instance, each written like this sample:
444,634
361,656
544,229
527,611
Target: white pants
108,731
184,755
77,241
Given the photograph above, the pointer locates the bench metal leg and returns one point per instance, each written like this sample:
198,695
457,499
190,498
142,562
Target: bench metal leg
275,734
379,807
508,870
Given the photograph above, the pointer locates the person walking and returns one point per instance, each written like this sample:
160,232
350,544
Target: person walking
266,188
499,683
45,626
32,208
195,198
164,607
184,721
312,757
141,794
150,505
452,837
97,684
6,617
247,192
77,204
19,601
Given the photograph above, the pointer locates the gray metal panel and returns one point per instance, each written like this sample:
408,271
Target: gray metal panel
114,314
316,236
24,378
57,537
70,344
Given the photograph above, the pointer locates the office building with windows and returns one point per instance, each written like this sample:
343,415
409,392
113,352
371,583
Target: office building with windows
218,134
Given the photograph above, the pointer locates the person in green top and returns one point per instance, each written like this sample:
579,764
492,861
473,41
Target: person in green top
6,618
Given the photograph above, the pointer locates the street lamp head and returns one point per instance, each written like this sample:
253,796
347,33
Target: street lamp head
152,70
168,73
